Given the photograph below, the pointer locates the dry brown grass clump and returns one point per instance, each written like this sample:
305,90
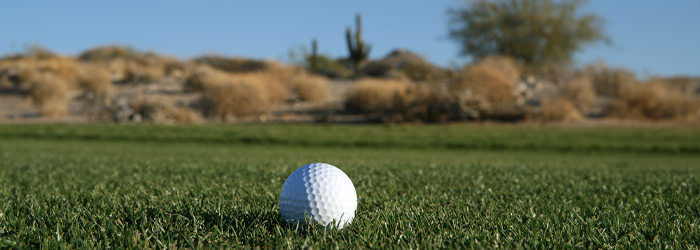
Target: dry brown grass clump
204,77
580,91
560,109
654,101
49,92
310,88
95,80
371,95
232,65
238,95
397,101
237,98
130,66
274,86
506,65
487,83
611,82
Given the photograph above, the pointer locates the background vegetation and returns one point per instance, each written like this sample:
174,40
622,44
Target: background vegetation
521,71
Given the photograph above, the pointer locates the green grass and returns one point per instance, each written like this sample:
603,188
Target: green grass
458,136
94,186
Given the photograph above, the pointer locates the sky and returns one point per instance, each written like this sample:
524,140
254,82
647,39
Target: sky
650,37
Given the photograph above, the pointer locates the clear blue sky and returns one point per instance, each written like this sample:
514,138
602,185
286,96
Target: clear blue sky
651,37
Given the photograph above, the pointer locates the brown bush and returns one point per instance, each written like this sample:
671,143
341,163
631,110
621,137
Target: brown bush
237,94
420,71
232,65
506,65
398,101
131,71
185,115
654,101
204,77
612,82
560,109
580,91
274,87
680,84
484,82
49,92
372,95
95,79
237,98
64,67
128,65
310,88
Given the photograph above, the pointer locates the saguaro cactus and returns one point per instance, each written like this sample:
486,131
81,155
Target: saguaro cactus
358,49
313,59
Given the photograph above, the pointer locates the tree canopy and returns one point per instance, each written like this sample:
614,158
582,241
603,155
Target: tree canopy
535,32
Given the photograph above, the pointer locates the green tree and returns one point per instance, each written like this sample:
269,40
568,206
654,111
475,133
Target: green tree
536,32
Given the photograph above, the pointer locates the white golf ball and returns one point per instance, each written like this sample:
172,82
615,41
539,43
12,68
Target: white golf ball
321,192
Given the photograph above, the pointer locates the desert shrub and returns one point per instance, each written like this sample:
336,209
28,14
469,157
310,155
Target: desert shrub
506,65
580,91
185,115
237,94
487,83
420,71
560,109
128,65
130,71
398,101
654,101
372,95
237,98
105,53
49,92
310,88
274,85
611,82
204,77
377,69
680,84
419,103
400,64
232,65
326,66
95,79
63,67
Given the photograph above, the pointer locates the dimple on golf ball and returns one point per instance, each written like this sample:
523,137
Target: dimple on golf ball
322,193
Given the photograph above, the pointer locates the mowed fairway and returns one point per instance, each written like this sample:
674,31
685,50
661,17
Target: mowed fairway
135,189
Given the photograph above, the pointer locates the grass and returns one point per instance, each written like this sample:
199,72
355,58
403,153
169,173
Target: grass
456,136
99,186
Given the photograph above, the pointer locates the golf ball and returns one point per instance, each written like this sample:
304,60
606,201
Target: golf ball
321,192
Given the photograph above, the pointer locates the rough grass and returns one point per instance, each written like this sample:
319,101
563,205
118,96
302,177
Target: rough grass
135,194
